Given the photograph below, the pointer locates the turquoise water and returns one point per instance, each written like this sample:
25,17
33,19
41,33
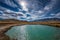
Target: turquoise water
34,32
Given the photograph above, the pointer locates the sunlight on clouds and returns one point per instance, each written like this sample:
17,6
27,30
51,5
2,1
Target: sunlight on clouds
24,4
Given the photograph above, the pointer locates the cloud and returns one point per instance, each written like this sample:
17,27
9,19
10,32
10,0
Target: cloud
57,15
44,12
10,3
50,6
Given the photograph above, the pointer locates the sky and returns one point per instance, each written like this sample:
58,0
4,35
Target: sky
29,10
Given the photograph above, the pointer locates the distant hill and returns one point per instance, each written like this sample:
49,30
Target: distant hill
48,19
51,22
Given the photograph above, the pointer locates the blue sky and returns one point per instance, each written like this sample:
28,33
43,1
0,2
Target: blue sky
29,10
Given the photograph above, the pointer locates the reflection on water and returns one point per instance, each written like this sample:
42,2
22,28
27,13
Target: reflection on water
23,33
34,32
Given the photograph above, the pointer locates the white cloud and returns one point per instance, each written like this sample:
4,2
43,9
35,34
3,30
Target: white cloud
57,15
47,8
40,11
50,5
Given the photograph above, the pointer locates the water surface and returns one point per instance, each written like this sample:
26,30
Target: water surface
34,32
